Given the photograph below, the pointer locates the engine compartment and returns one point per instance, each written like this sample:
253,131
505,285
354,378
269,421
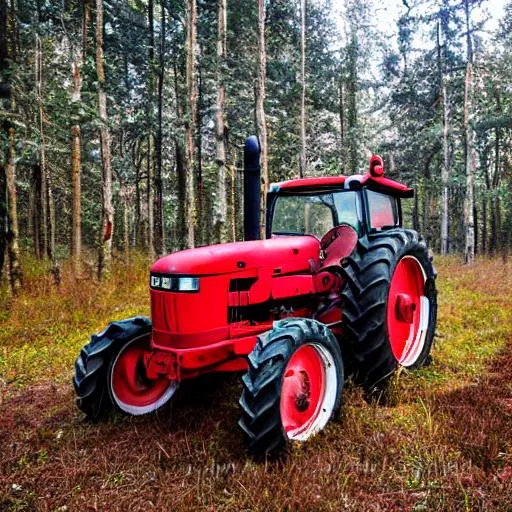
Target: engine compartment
264,281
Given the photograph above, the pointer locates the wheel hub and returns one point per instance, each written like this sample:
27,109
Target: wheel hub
405,308
302,398
303,391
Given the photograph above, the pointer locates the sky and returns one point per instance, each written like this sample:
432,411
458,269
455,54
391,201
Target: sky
388,12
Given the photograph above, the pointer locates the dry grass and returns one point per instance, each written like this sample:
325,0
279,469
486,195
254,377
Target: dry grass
446,445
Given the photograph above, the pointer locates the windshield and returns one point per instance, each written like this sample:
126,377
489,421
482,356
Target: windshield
315,213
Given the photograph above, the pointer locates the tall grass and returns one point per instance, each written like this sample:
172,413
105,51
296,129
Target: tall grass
42,329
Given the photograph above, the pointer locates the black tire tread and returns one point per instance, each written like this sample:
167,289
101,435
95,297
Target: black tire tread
92,364
367,273
260,421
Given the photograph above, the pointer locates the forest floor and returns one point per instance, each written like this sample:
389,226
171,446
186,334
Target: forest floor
445,445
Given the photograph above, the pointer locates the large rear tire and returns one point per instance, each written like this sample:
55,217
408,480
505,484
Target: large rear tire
292,388
389,306
109,372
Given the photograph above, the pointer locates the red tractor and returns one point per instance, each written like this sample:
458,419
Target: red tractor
338,288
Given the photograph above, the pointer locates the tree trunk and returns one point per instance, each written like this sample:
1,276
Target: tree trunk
469,221
234,203
351,159
201,220
124,194
36,211
105,244
43,182
150,154
303,147
190,119
78,54
181,228
3,218
475,226
159,202
261,120
15,274
182,185
51,222
5,103
445,169
342,117
221,210
76,233
484,224
415,212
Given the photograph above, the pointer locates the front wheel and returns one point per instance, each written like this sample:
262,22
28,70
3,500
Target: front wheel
110,372
293,386
129,388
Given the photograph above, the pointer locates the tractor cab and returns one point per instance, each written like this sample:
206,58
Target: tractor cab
313,206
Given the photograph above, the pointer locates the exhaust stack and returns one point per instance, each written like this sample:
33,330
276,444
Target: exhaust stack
252,194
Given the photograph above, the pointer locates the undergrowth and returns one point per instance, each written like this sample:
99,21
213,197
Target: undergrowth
446,443
42,330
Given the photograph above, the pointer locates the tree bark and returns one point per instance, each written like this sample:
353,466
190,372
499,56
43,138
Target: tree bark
45,246
351,160
5,103
15,274
78,54
150,153
181,228
303,147
492,186
76,233
221,211
126,228
201,221
51,222
342,116
105,244
469,221
445,168
261,120
159,202
190,119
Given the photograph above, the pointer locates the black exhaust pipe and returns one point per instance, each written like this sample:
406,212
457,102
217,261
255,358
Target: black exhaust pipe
252,194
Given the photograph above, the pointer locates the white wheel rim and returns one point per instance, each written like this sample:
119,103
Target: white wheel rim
136,410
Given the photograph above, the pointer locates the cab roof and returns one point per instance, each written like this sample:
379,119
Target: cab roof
374,180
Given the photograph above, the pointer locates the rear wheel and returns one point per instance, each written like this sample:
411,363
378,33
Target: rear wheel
293,386
389,306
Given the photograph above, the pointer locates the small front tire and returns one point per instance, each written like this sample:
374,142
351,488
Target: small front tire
293,386
109,372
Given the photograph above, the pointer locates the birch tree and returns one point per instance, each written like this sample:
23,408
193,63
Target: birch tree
220,136
469,221
190,120
105,243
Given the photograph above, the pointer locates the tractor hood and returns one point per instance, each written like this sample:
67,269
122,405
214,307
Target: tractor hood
285,254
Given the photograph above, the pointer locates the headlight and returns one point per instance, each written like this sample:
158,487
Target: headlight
188,284
175,284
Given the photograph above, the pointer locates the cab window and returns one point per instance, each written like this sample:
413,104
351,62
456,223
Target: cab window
383,210
315,213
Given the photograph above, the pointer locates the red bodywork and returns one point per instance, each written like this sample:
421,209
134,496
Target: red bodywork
245,286
211,329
